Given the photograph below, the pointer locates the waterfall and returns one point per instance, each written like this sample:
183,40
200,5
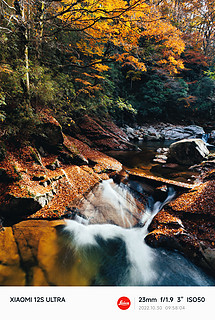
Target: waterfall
154,207
109,202
104,243
205,138
107,254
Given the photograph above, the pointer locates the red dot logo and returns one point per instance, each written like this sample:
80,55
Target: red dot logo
123,303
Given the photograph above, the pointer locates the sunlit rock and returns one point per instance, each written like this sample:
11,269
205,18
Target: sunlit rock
188,151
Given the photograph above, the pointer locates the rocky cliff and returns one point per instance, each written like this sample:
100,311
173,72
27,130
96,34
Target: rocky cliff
41,177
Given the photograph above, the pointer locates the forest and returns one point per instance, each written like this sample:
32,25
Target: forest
107,143
131,60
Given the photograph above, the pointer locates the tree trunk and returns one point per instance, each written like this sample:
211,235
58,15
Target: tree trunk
25,13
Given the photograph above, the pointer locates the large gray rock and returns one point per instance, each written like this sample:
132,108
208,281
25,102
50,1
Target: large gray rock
164,131
180,132
188,151
194,130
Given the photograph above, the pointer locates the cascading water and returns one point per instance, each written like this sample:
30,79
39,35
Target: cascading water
109,202
205,138
108,254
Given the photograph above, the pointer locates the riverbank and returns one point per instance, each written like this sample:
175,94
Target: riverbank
42,177
168,131
42,182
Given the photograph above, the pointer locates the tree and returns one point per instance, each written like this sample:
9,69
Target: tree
110,30
17,17
195,18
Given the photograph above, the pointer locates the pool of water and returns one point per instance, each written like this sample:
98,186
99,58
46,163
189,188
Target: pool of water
143,160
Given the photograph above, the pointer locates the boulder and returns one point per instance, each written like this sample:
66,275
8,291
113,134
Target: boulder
194,130
49,134
172,132
130,132
188,151
102,135
164,131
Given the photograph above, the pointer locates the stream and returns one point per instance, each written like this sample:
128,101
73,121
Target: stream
142,160
101,243
119,256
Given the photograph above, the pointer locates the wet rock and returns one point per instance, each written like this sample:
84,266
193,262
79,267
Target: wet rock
179,239
211,156
171,165
203,168
161,161
160,193
209,176
187,224
10,271
122,176
188,151
160,157
29,255
109,203
162,150
209,256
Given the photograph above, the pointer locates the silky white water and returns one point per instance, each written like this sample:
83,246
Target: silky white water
110,202
120,255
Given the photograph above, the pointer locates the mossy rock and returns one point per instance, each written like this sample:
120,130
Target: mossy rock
49,136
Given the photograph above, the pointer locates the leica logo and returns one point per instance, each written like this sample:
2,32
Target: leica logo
123,303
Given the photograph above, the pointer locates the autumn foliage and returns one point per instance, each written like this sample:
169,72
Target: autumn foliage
81,56
111,31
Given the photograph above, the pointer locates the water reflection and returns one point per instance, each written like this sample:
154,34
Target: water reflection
143,161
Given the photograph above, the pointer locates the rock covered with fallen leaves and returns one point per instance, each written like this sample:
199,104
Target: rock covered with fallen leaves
187,224
102,135
42,177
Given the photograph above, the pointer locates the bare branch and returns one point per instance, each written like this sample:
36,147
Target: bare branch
12,8
2,29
